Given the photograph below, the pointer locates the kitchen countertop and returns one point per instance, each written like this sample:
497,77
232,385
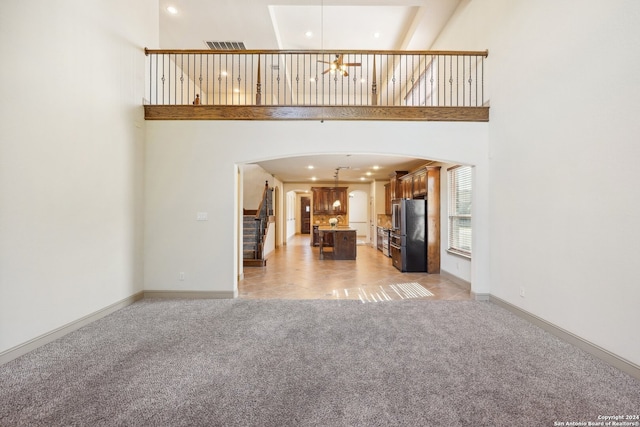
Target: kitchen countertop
338,228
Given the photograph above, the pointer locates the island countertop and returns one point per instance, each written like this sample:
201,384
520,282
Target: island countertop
338,228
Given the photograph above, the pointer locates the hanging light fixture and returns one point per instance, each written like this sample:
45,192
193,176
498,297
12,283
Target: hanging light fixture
336,203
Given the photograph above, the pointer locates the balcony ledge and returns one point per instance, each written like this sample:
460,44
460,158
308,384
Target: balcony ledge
267,112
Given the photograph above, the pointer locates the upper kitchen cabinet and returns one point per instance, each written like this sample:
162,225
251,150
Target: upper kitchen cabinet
395,185
387,199
413,185
324,199
406,187
419,186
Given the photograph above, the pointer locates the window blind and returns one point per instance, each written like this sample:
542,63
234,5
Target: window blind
460,190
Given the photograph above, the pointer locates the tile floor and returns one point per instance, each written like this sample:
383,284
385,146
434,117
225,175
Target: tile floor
294,271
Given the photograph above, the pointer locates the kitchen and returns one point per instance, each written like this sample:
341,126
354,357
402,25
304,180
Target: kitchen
331,227
408,231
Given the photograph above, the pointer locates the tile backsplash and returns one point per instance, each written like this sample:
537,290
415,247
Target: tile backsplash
324,219
384,221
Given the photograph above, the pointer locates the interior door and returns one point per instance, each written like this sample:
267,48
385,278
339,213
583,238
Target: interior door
305,215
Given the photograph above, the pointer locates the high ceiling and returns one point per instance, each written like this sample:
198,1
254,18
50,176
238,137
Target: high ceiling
310,25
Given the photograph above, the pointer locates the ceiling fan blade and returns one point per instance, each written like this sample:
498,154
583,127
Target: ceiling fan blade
352,64
326,71
324,62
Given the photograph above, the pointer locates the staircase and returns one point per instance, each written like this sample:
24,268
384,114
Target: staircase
250,237
255,225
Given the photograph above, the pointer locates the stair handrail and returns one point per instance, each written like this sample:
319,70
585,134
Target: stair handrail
261,215
263,203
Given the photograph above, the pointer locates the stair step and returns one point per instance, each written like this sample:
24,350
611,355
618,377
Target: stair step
254,263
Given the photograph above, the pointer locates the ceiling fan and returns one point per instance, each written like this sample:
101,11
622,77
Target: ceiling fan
337,65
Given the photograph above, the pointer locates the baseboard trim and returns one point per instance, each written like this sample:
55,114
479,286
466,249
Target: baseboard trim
478,296
190,294
591,348
455,279
22,349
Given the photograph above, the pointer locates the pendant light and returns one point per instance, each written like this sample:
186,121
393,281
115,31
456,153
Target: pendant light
336,203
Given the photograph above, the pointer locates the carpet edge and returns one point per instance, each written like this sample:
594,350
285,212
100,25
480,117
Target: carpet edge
26,347
606,356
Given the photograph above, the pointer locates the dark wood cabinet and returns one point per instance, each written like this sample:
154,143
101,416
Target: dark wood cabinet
433,218
344,245
419,183
406,186
319,200
395,185
324,198
387,199
342,241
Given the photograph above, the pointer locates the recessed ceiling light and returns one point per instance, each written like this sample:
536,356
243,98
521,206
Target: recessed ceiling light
236,90
308,34
376,35
313,178
172,10
368,173
376,167
362,178
224,73
310,167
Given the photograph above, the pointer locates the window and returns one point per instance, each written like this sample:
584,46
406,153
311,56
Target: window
460,210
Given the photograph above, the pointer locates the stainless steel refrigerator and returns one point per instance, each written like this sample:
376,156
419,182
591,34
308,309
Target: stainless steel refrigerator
409,235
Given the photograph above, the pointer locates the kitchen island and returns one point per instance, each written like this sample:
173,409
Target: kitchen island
344,242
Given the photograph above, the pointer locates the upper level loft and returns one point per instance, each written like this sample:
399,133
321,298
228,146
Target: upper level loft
316,85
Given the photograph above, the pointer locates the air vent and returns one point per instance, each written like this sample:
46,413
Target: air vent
226,45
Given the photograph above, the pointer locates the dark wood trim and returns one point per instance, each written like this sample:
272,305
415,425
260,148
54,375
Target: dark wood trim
266,112
484,53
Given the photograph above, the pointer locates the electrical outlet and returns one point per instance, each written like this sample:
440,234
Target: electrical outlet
522,292
181,275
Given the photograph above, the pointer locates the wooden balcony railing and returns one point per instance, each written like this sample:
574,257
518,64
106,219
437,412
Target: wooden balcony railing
315,85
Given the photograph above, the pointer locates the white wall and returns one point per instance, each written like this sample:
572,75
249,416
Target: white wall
197,174
71,159
253,182
564,151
